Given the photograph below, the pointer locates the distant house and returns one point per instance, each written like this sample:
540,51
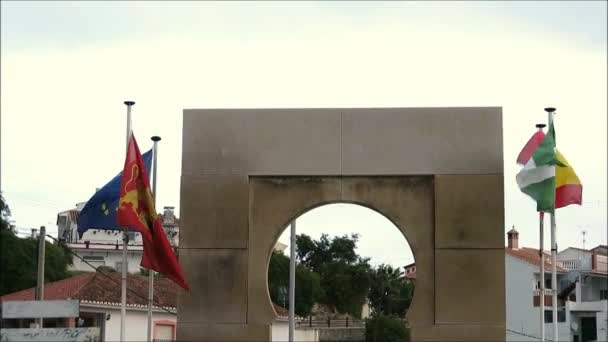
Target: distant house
100,297
409,271
100,247
582,304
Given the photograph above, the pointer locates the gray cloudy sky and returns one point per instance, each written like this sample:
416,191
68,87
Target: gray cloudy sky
67,67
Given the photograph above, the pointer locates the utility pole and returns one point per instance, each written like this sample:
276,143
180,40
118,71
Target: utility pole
40,275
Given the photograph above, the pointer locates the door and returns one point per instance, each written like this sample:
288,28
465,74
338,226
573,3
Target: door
588,329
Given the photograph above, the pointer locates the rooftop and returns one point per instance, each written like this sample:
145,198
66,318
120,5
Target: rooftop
104,288
530,255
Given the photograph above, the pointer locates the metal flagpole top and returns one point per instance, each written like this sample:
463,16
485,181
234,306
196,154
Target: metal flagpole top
129,103
549,109
155,138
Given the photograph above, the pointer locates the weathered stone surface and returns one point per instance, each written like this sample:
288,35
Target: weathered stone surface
435,172
468,208
274,203
218,286
218,332
261,141
407,202
470,286
421,141
214,211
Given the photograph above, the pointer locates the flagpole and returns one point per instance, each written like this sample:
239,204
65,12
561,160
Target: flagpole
541,253
155,139
550,111
292,281
125,243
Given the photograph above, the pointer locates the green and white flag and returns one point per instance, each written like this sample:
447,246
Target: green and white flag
537,178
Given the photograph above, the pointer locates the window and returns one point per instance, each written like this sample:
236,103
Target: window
164,331
561,316
603,294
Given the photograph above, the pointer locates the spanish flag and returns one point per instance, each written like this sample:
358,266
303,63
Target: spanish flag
568,187
136,210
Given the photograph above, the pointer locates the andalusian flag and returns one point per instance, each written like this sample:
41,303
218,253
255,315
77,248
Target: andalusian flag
547,177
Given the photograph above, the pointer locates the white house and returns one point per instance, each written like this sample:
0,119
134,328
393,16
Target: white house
581,311
104,247
100,295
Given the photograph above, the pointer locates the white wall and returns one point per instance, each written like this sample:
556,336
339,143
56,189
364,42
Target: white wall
111,257
522,317
280,332
575,254
602,325
137,323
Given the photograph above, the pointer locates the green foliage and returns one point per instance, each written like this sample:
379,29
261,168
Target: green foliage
346,280
308,286
314,254
382,328
345,277
389,294
345,285
18,262
5,213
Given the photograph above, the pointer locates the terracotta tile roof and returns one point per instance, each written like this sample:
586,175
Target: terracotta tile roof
531,256
411,275
62,289
99,289
281,311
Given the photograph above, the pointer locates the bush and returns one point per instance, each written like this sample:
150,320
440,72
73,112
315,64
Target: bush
383,328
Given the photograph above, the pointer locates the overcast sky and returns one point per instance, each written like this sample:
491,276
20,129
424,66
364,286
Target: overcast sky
66,68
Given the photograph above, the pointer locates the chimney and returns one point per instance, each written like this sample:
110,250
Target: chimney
34,233
513,238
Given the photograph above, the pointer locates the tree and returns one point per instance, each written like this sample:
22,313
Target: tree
345,285
308,285
5,213
18,262
382,328
344,274
389,294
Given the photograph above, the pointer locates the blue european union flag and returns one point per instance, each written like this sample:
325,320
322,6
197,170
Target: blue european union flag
100,210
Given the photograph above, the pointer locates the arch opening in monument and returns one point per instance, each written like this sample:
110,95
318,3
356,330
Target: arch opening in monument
381,245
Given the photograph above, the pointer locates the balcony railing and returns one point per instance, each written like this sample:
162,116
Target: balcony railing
570,264
596,305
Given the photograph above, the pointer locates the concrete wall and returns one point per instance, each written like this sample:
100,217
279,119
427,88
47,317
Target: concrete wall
341,334
522,317
137,322
436,173
280,332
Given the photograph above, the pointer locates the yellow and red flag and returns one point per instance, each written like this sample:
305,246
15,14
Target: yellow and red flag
136,210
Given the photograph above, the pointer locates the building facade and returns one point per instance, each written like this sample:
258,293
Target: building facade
581,309
100,247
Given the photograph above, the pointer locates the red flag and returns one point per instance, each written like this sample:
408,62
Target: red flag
136,210
528,150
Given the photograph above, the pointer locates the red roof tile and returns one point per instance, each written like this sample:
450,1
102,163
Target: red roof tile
104,288
531,256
